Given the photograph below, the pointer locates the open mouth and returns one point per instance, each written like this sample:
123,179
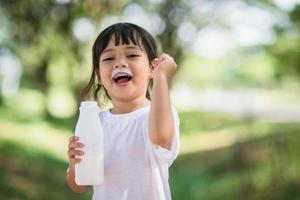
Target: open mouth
121,78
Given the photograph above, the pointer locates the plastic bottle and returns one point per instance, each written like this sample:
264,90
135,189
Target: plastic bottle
89,130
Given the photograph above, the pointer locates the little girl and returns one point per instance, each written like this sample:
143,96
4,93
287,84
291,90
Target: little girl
141,134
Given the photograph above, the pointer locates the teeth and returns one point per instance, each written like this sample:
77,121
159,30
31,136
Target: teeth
117,72
121,74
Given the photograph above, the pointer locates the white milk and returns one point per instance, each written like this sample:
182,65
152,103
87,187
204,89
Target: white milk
89,130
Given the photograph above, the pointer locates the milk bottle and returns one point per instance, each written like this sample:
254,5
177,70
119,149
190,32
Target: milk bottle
89,130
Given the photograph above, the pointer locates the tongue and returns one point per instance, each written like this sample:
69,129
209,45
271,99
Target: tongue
123,80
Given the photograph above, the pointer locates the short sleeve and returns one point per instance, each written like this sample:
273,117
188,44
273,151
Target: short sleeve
166,156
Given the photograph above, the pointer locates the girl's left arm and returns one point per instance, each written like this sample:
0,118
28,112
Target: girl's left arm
161,121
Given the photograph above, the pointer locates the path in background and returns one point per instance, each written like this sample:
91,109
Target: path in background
273,105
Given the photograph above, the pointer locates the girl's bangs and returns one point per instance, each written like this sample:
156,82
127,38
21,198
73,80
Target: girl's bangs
126,36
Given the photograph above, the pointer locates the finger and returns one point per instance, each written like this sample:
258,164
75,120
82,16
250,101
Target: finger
75,160
160,63
73,138
163,56
72,153
160,59
76,145
163,59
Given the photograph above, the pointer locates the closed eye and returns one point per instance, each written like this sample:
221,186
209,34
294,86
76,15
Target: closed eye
107,59
133,55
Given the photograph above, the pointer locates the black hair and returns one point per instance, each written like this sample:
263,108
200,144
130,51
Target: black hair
123,33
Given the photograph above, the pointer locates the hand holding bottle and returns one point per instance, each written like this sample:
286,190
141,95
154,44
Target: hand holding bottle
74,152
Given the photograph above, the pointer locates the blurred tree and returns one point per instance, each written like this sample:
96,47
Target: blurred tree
41,35
285,51
174,14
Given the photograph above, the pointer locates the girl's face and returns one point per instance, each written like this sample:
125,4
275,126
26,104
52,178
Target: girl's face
124,71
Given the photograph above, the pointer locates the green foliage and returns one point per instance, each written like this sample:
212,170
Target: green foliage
262,165
260,168
33,162
263,168
286,50
31,175
194,122
40,33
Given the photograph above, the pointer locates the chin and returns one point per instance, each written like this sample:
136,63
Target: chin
126,96
123,97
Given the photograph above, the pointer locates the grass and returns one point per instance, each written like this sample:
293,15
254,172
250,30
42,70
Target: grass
192,122
264,168
231,160
27,173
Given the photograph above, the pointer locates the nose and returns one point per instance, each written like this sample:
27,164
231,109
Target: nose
121,62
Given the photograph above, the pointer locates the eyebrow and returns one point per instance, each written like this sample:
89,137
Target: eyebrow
128,47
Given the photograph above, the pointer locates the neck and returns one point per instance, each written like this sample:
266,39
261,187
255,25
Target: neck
121,107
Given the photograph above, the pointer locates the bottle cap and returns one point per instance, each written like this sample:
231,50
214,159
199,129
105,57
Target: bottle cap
88,103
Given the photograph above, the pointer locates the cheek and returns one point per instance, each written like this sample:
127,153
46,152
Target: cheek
147,73
104,75
143,75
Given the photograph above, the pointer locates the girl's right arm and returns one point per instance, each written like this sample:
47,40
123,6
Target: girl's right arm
72,153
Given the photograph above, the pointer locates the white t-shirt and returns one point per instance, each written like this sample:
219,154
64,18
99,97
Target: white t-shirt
134,168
